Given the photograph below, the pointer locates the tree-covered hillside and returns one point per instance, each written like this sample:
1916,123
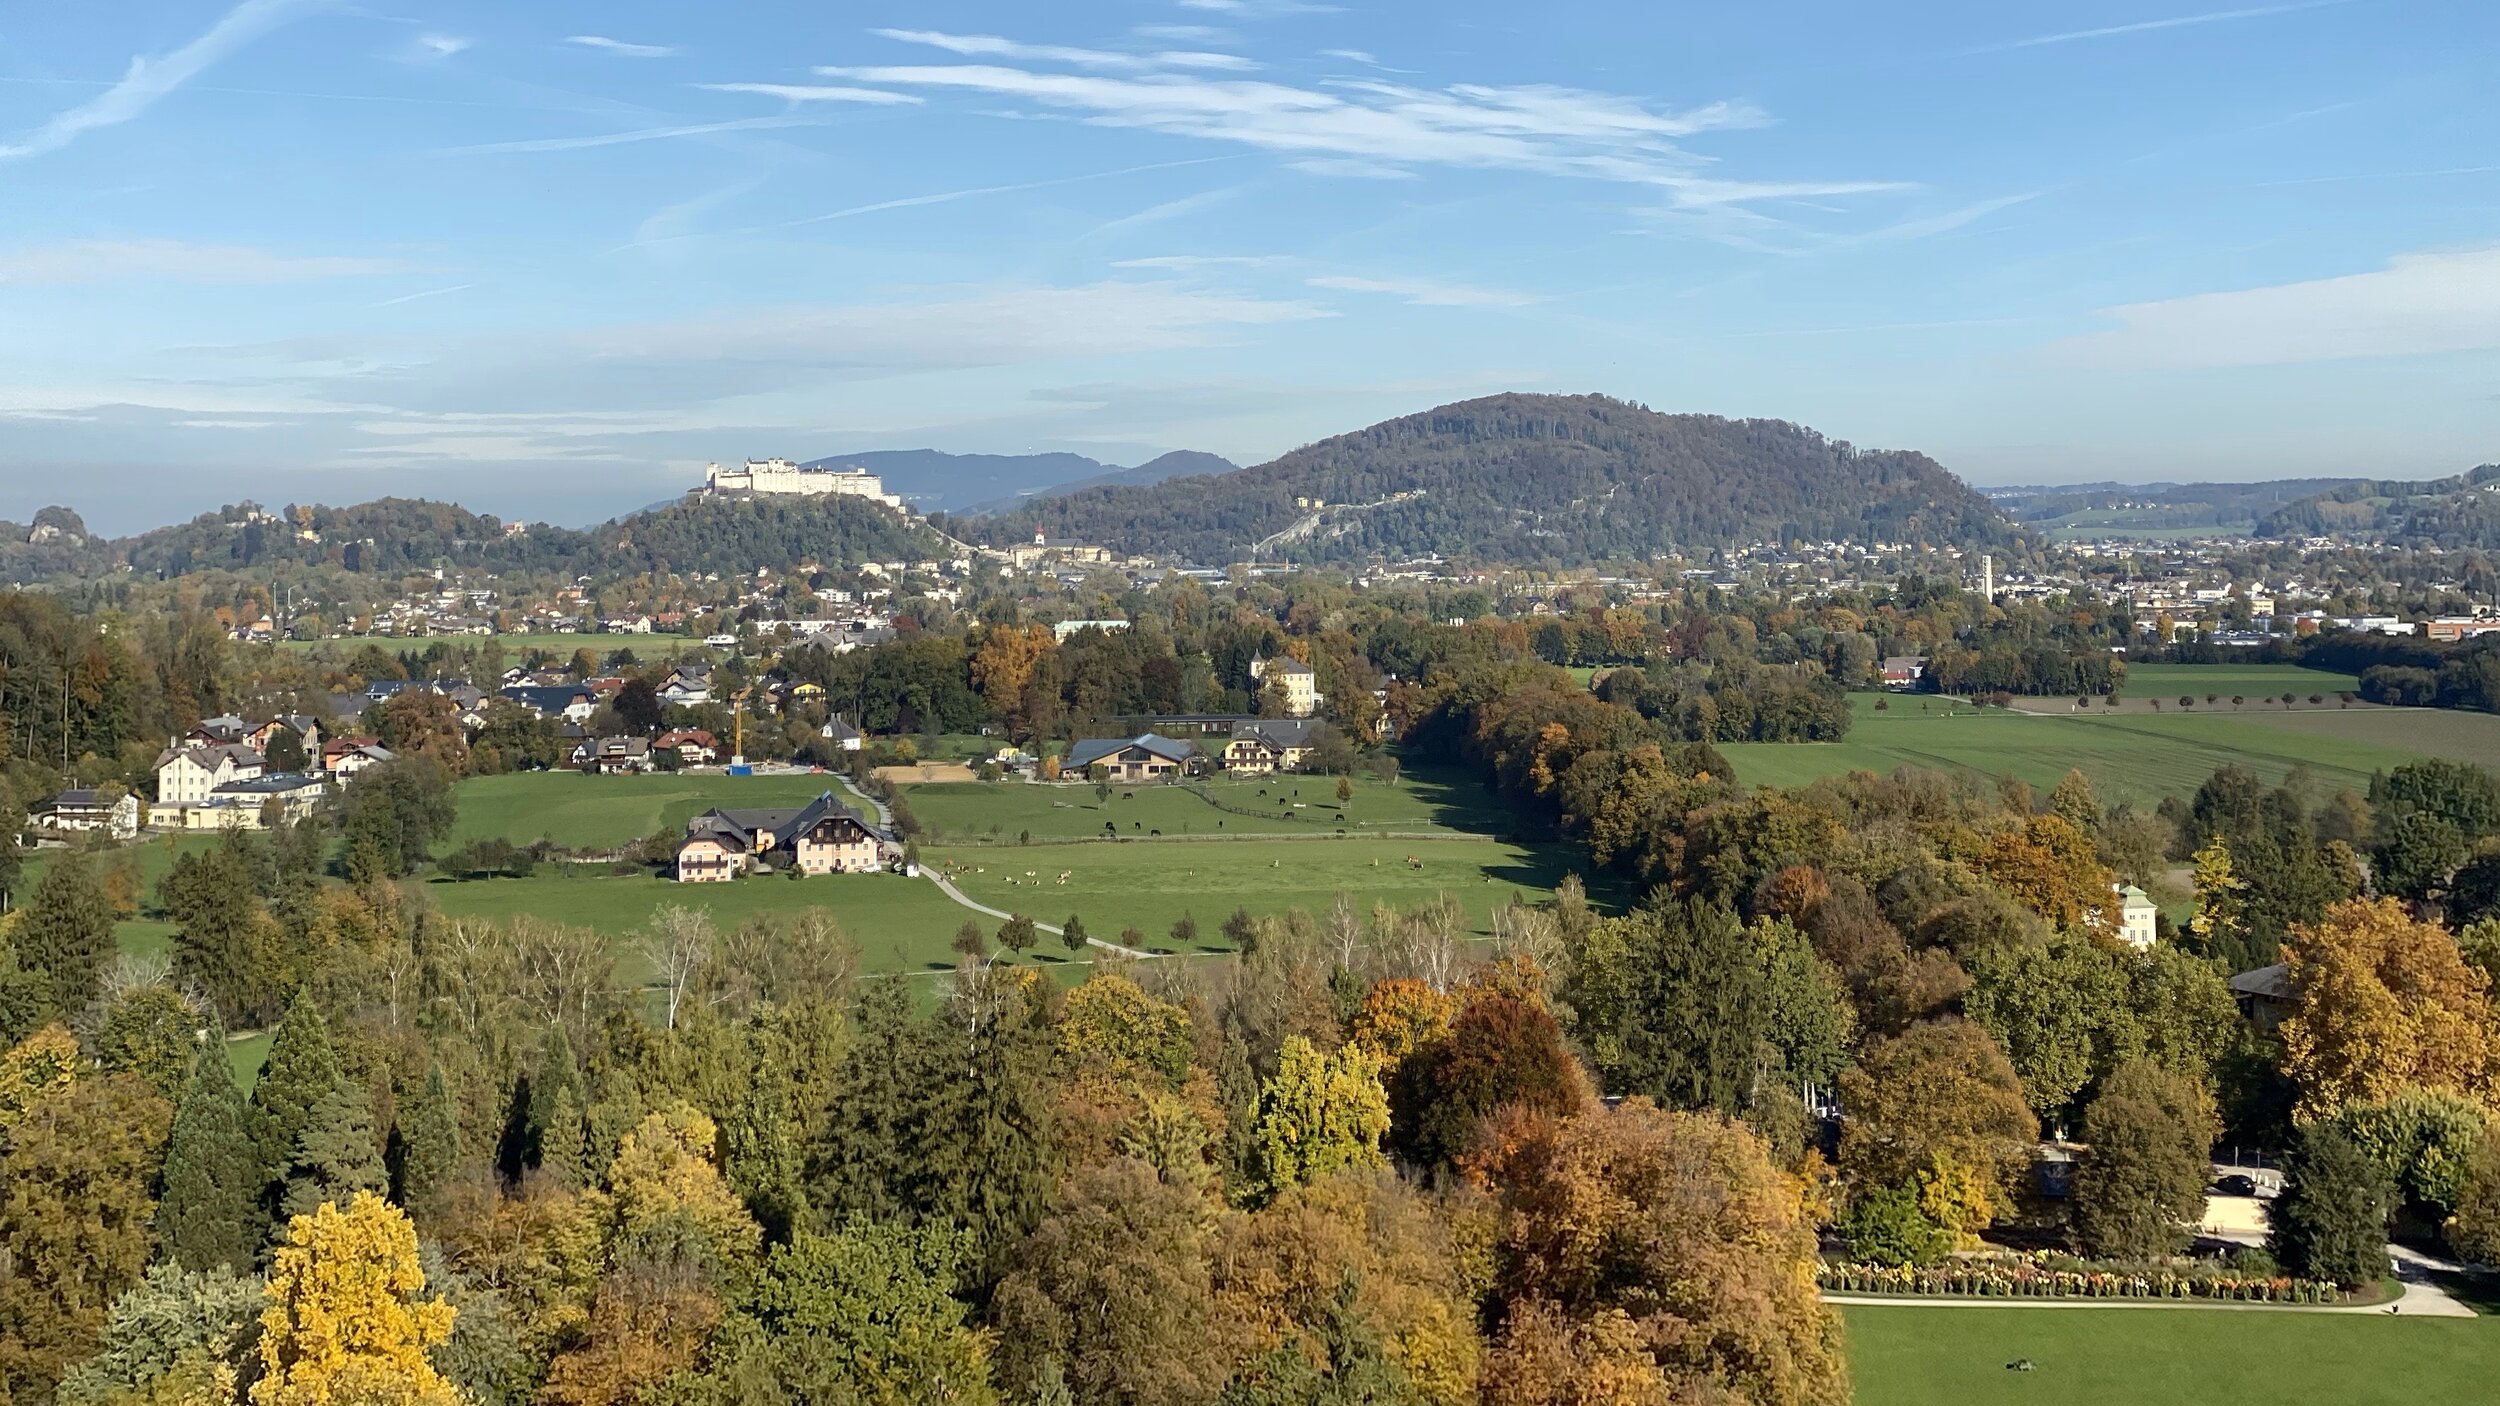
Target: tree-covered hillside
2451,513
1530,478
393,535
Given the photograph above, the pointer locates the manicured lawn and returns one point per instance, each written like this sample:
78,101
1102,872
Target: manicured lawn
2137,757
900,924
602,812
2165,1357
1152,883
1003,810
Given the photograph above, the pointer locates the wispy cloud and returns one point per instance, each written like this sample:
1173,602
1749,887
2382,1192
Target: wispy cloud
1351,168
991,46
90,261
1175,209
1258,9
1424,292
646,134
622,49
813,93
149,79
428,293
1185,263
435,47
2116,31
2379,176
2419,304
1544,129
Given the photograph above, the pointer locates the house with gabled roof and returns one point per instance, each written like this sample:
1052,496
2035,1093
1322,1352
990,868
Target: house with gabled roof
1145,757
1267,745
822,837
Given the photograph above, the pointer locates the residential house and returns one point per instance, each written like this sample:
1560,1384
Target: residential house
841,734
613,756
343,757
687,686
571,700
305,726
1904,670
1067,628
1270,744
694,746
219,731
1145,757
1295,678
91,811
187,771
822,837
2264,996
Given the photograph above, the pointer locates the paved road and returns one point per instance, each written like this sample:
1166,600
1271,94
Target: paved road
947,886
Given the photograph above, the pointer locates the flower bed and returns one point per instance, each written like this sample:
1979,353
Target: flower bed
2028,1281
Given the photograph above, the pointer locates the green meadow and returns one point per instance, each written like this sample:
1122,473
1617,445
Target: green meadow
1926,1356
2130,755
1433,802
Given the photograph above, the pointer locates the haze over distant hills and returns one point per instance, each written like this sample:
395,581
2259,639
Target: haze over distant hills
932,480
1531,478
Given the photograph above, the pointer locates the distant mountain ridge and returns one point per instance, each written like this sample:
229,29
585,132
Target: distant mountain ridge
933,480
1528,478
2455,513
2118,508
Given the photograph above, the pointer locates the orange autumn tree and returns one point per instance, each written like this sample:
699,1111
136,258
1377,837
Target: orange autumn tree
2051,868
2384,1003
347,1321
1651,1256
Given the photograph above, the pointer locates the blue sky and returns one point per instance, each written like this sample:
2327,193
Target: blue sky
547,258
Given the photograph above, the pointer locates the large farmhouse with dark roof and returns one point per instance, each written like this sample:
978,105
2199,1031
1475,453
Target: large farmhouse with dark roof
822,837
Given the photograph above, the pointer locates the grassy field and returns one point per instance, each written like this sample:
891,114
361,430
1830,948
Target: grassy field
598,812
2165,1357
1414,803
901,924
2251,680
1152,883
2134,757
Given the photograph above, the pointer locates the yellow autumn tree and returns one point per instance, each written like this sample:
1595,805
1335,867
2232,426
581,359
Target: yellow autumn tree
1401,1015
1320,1113
664,1169
35,1066
347,1323
2384,1003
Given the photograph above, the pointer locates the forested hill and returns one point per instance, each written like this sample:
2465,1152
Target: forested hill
2453,513
393,535
1529,478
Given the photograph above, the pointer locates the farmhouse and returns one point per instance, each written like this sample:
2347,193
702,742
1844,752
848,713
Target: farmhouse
91,811
1270,745
1145,757
822,837
1904,670
613,756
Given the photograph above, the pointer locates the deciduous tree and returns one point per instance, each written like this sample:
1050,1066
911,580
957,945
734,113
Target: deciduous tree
347,1317
2383,1003
2149,1138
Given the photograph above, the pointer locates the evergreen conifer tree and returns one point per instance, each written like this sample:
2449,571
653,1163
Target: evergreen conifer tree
563,1148
559,1077
2330,1222
862,1168
430,1136
64,933
336,1155
761,1147
303,1069
208,1212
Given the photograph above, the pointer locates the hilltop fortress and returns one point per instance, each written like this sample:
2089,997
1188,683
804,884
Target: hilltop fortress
774,477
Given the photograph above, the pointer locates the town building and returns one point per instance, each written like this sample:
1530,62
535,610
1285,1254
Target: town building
186,772
2136,918
822,837
1297,680
694,746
